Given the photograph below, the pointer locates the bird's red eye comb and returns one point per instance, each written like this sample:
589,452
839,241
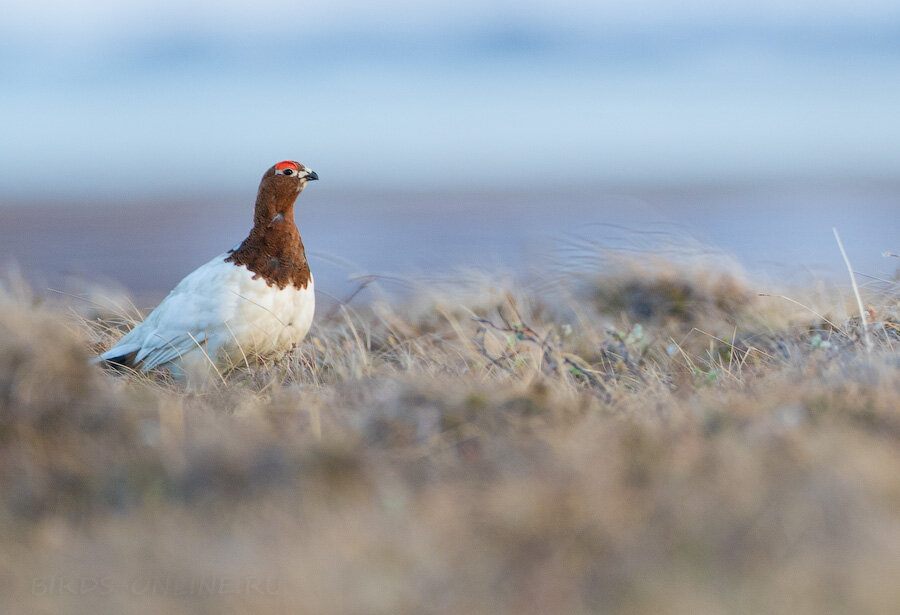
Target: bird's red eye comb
286,164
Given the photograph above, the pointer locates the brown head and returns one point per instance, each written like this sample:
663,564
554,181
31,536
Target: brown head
280,186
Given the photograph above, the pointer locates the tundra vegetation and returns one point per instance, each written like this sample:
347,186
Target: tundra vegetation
631,435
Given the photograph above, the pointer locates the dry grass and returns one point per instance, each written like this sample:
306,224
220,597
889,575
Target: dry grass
654,439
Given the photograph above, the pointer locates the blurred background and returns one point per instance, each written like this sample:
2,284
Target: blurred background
488,134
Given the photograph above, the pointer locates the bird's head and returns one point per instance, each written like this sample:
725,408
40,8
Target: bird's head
279,188
287,178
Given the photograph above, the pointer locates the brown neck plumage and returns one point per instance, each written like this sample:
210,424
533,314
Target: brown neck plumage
274,251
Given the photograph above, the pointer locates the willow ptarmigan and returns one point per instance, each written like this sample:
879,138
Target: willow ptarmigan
254,300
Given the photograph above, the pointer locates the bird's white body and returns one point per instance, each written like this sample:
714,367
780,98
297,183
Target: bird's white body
219,315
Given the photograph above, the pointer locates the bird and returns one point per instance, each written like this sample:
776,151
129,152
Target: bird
255,300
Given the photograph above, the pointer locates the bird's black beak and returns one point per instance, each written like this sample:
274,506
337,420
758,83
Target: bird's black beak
312,176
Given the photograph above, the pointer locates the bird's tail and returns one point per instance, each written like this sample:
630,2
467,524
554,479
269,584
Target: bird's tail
118,357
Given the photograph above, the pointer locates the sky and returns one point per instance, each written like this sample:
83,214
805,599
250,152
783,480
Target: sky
128,99
53,18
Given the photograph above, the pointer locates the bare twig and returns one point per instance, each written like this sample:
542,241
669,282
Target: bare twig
554,360
342,302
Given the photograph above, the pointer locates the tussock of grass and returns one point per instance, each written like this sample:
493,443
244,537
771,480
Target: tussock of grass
653,439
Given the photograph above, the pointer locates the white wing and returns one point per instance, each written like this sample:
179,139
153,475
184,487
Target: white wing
194,313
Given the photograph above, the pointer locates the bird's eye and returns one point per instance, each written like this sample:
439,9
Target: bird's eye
288,167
